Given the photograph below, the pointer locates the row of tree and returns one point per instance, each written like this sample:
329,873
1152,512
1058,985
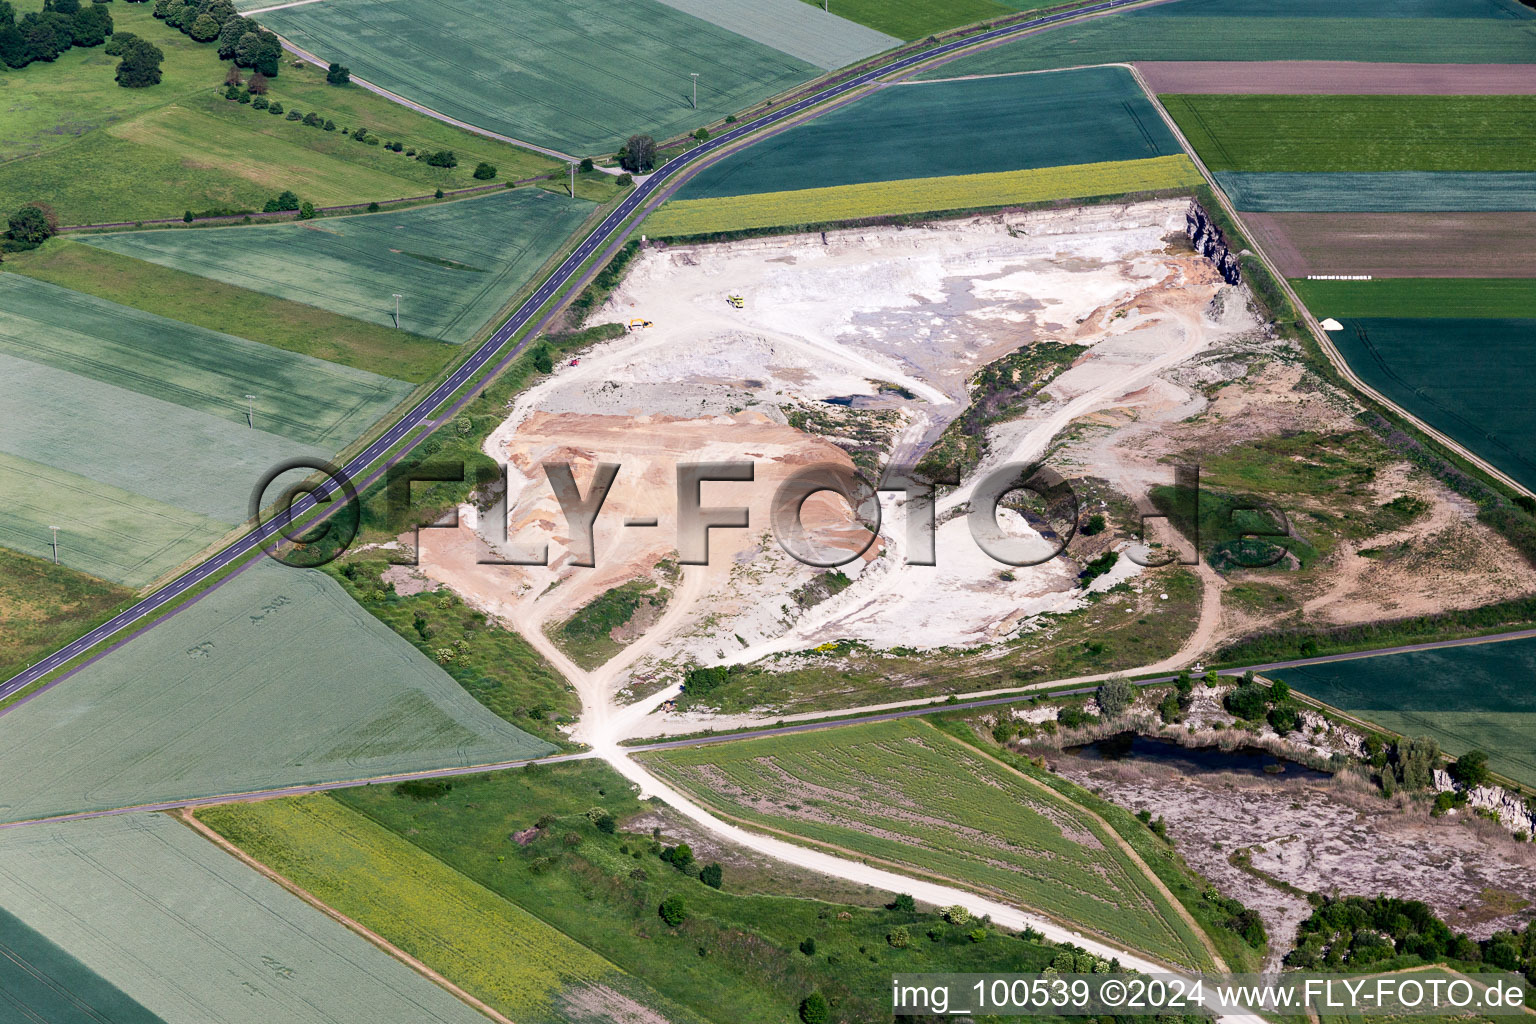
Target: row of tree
43,35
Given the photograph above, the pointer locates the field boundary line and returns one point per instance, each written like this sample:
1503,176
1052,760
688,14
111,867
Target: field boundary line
911,870
186,817
1320,336
1120,841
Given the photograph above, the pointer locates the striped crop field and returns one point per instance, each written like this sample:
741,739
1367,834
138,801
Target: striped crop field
248,692
145,921
920,195
905,794
489,946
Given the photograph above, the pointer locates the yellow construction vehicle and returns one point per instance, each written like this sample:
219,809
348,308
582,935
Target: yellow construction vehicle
737,301
637,323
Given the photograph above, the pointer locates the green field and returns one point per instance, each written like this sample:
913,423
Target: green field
1466,377
1454,297
490,947
1478,696
1359,133
913,19
194,936
602,890
950,128
40,600
920,195
41,983
907,794
1475,32
245,690
100,153
580,77
203,302
111,533
496,665
455,264
1379,192
308,400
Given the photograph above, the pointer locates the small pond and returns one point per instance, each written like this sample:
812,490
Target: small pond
1129,746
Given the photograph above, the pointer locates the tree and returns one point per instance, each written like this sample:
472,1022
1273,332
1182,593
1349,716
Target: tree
904,903
230,34
1285,718
1279,691
485,171
442,158
679,856
542,360
338,75
276,107
62,6
1115,696
47,34
306,210
638,154
187,217
712,875
1094,525
117,43
814,1009
7,13
285,200
247,48
1417,760
140,66
1471,769
268,54
1248,700
92,26
233,76
257,86
808,945
312,119
702,135
31,225
586,164
13,47
673,910
204,29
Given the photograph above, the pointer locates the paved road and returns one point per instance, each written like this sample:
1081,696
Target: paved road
564,276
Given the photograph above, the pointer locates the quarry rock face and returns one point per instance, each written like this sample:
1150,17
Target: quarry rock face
1208,242
1513,812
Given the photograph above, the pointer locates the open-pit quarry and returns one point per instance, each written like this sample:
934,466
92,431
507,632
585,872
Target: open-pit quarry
857,348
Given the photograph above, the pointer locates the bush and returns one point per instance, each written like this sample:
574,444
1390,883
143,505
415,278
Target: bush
957,915
438,195
542,360
679,856
673,910
442,158
899,937
1285,718
485,171
294,115
32,225
586,163
117,43
257,85
283,201
337,75
1248,701
329,125
702,135
808,946
625,180
1115,696
712,875
814,1009
306,210
904,903
259,103
424,789
373,207
276,107
312,119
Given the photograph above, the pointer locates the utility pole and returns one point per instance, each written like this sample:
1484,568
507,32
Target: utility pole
695,76
573,179
55,530
250,411
397,309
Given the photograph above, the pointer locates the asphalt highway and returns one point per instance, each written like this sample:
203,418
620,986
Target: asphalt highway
566,276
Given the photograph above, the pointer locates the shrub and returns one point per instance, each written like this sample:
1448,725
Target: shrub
702,135
1285,718
294,115
259,103
284,200
276,107
373,207
312,119
117,43
586,163
904,903
673,910
257,84
442,158
679,856
808,945
306,210
626,180
33,224
1115,696
438,195
957,915
424,789
542,360
337,75
244,97
329,125
485,171
187,217
899,937
712,875
1094,525
1248,701
814,1009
